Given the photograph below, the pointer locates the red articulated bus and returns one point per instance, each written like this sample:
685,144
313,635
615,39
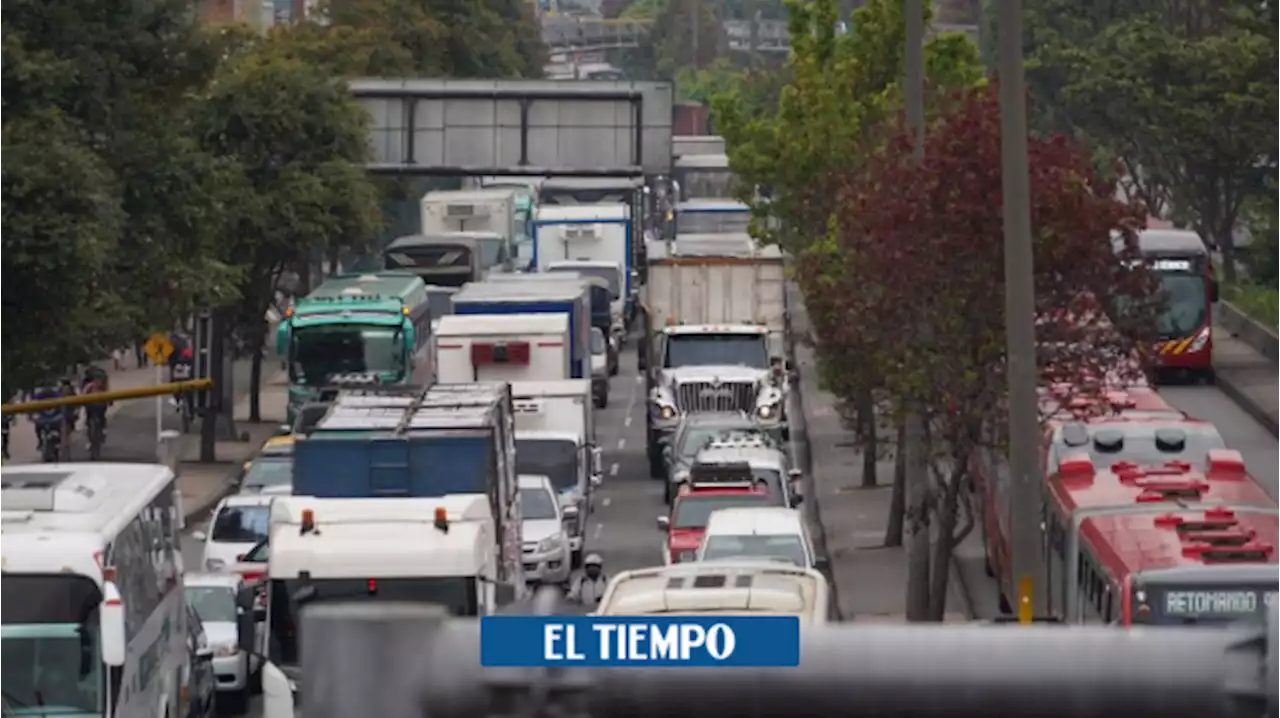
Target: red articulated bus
1160,544
1180,261
1142,429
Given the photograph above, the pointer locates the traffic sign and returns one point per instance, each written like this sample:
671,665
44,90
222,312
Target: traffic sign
158,348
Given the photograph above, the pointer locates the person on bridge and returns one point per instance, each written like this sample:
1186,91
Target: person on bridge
589,586
95,381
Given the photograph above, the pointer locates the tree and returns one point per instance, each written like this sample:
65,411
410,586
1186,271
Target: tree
1189,113
842,90
921,298
62,221
300,141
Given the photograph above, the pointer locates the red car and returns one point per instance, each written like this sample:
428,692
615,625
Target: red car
691,510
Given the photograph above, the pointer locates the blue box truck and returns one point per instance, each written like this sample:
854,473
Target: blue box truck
455,439
570,297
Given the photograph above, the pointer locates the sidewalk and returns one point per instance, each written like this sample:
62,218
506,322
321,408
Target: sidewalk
1250,379
870,579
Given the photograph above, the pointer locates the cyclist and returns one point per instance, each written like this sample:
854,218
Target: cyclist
48,422
94,381
71,414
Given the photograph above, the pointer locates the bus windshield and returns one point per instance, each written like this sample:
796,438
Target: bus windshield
318,353
713,222
49,635
1187,304
457,594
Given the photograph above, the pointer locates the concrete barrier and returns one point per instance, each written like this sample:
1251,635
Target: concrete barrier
1255,334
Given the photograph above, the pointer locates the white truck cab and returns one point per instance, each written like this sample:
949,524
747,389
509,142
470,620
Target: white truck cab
555,437
502,347
441,550
720,588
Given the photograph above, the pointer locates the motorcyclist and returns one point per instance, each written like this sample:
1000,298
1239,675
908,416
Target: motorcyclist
47,421
588,587
95,381
71,414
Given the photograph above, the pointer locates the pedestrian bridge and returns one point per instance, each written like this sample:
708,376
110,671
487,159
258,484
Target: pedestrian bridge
589,34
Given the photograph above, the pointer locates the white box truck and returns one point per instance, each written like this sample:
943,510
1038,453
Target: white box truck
716,317
555,437
502,347
591,233
491,211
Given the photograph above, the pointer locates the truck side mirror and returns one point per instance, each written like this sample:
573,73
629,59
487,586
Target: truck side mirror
111,615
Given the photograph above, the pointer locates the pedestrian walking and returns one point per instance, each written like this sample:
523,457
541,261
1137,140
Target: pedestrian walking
139,354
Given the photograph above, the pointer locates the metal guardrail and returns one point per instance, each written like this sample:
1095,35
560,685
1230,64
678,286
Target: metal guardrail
411,660
577,34
102,397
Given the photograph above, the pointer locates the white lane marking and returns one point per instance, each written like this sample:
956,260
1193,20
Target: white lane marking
627,421
640,379
606,501
613,471
622,443
595,535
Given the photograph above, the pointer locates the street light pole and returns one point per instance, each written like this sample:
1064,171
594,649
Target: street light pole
1025,508
915,459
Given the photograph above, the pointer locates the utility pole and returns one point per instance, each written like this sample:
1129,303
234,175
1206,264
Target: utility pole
1025,509
916,458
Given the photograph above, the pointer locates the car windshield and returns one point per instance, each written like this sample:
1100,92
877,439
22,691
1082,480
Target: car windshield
693,511
241,524
557,459
267,472
537,504
213,604
1139,446
712,221
748,350
1186,305
318,353
783,548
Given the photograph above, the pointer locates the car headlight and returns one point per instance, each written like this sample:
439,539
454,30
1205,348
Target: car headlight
1201,339
686,556
214,564
549,543
226,650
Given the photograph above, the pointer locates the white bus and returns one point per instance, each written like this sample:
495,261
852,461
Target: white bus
92,621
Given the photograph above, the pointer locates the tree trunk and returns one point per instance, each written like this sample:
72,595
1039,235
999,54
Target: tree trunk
256,343
944,544
918,515
898,502
870,448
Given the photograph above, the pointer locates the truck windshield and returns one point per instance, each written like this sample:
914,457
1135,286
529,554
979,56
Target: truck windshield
1187,304
457,594
712,222
318,353
50,646
747,350
556,459
608,274
782,548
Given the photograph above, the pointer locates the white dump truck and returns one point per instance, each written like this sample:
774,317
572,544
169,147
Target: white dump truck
715,321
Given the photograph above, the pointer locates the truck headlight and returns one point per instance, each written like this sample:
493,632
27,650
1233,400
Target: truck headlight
226,650
549,543
769,411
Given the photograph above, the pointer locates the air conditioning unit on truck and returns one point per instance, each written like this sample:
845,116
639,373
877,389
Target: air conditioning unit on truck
716,317
440,550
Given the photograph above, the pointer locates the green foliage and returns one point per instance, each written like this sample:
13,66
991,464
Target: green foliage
1189,113
1259,302
299,140
62,222
841,90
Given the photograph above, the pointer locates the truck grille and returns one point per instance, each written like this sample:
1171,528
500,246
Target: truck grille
704,396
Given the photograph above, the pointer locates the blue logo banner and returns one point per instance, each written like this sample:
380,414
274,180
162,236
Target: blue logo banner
730,641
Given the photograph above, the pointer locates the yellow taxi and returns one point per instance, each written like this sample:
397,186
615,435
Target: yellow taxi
271,470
